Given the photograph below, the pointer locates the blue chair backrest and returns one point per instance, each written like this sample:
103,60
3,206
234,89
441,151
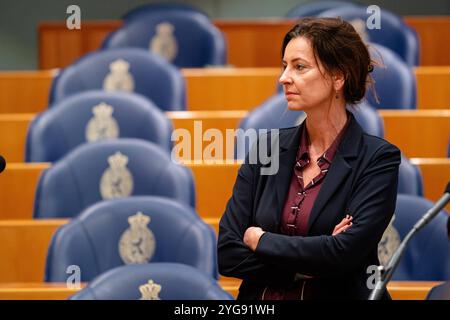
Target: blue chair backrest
110,169
409,178
440,292
164,281
315,8
393,32
395,82
126,69
274,114
183,37
130,231
427,256
93,116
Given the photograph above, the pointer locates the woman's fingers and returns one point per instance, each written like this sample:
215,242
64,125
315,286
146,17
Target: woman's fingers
344,222
343,225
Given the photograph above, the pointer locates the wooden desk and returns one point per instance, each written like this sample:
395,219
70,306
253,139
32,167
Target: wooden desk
418,133
23,249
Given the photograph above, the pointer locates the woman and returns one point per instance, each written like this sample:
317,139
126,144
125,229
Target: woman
311,230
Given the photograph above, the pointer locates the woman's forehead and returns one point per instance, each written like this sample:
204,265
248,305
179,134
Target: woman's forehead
299,48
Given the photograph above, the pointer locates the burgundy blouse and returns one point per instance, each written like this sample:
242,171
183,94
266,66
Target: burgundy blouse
299,203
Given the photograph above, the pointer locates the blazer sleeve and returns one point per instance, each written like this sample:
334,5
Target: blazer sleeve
235,259
372,205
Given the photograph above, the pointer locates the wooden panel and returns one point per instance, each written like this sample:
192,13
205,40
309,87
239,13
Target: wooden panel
18,184
435,175
13,131
229,88
24,248
250,43
432,30
433,87
418,133
36,291
59,46
254,43
214,186
199,124
25,92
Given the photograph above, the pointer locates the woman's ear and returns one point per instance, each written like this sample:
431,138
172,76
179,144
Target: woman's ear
338,81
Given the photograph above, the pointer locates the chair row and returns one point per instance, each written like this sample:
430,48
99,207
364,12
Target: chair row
97,115
153,229
135,70
211,89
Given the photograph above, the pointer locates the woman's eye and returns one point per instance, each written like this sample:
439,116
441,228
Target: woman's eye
300,67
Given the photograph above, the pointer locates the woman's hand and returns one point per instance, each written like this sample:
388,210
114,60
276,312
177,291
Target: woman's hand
251,237
343,225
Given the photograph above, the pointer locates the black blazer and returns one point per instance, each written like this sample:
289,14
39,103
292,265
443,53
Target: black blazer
361,181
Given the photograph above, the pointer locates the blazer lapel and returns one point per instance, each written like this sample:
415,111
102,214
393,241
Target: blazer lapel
339,169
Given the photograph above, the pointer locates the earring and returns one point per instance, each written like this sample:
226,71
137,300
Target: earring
337,95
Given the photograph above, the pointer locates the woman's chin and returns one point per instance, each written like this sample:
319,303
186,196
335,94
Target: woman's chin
295,106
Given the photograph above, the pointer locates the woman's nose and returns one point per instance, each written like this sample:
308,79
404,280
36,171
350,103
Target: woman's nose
284,78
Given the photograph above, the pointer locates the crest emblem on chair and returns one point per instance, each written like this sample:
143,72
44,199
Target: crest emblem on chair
102,125
116,181
150,291
164,43
119,78
360,27
137,243
389,243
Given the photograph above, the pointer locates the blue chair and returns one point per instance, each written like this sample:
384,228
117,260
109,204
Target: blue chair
155,281
409,178
186,38
273,114
131,230
427,257
315,8
395,82
93,116
110,169
440,292
129,69
393,32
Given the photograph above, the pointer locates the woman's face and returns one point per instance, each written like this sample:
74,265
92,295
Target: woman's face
304,84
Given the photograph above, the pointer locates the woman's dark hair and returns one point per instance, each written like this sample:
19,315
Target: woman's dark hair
340,49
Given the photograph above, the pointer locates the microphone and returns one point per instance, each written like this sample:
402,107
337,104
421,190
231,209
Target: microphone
2,164
386,273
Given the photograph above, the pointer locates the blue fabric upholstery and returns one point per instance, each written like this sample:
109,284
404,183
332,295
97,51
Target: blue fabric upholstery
153,77
74,182
91,241
393,33
315,8
72,122
198,42
395,82
427,257
177,281
440,292
409,178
